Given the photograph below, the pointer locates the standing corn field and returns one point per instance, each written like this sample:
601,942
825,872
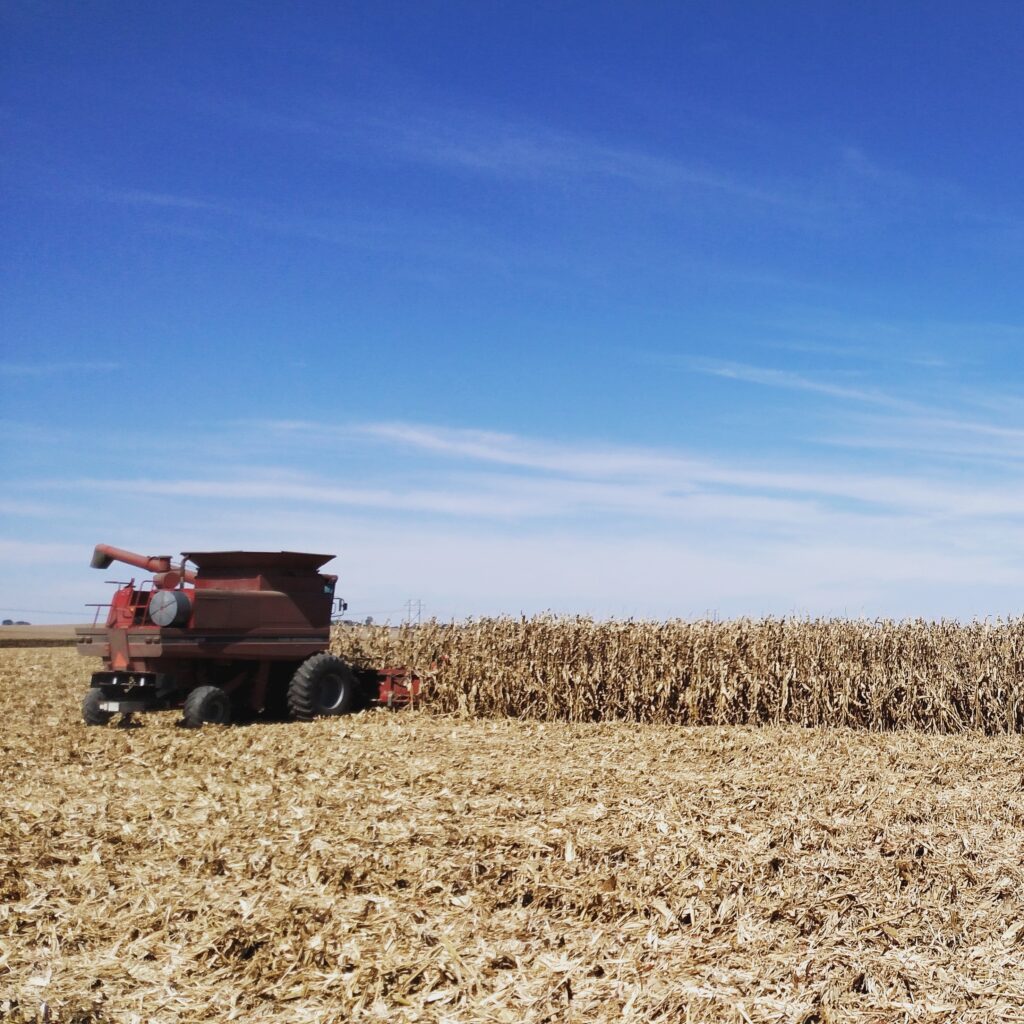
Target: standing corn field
935,676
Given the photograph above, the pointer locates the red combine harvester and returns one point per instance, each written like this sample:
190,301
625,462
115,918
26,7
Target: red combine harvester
241,633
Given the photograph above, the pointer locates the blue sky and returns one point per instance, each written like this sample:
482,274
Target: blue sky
618,309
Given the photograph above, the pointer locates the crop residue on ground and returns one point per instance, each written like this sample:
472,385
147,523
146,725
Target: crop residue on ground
410,867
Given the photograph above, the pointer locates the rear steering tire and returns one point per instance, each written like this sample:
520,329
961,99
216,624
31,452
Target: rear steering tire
92,713
207,704
322,685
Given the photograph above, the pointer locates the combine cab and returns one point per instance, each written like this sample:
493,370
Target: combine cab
241,633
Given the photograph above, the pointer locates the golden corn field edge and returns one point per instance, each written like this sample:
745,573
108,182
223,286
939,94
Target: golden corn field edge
938,677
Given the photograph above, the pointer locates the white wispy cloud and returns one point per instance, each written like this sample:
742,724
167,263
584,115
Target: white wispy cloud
159,200
462,139
45,369
930,344
508,149
831,188
29,509
649,472
479,521
791,381
503,477
942,426
27,552
970,443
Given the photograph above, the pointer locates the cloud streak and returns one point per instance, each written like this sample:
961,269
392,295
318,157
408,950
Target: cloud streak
911,425
478,521
673,477
791,381
160,200
507,149
465,141
49,369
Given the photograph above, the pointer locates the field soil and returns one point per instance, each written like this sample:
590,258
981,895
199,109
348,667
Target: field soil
37,636
415,867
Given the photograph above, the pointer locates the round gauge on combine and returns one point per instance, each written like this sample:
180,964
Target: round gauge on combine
169,608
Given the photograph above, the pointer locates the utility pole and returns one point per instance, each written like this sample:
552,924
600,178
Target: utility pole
418,604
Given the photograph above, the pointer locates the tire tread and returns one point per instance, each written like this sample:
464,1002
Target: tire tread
92,714
194,710
302,690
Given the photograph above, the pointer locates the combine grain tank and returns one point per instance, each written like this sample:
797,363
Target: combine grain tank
241,633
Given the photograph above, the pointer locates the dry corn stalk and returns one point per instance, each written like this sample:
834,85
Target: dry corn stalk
935,676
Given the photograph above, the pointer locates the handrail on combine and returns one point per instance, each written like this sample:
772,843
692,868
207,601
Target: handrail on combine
97,605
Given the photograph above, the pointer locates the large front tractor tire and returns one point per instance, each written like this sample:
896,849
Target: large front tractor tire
323,685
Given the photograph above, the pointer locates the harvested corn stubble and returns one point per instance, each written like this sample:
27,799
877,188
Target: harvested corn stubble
408,866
